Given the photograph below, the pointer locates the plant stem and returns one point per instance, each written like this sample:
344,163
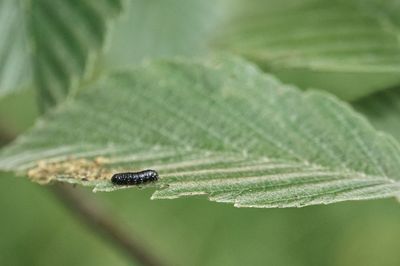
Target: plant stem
6,136
99,220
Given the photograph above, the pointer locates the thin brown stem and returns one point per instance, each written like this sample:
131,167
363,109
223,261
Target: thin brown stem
6,136
97,219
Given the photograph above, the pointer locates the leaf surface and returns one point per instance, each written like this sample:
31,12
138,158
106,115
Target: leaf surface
221,128
51,42
348,47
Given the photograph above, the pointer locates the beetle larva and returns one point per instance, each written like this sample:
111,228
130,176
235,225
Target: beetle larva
134,178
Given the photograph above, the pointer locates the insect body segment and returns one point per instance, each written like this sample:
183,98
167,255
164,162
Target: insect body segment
134,178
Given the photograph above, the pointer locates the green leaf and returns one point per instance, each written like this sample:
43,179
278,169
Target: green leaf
348,47
14,58
158,29
383,110
220,128
55,40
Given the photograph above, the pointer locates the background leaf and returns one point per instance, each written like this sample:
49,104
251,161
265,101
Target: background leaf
57,40
383,110
220,128
350,48
14,58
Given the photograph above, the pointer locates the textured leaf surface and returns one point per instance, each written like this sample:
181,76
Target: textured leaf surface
383,110
220,128
14,60
56,40
348,47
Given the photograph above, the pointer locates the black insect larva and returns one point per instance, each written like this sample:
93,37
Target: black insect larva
134,178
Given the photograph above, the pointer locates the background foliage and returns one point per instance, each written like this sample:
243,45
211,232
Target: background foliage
36,230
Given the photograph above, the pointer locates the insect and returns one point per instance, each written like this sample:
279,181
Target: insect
134,178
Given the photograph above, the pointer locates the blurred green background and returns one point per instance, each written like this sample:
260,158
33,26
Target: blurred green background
36,229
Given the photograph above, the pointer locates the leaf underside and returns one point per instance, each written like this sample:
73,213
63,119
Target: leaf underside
14,58
348,47
56,40
219,127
